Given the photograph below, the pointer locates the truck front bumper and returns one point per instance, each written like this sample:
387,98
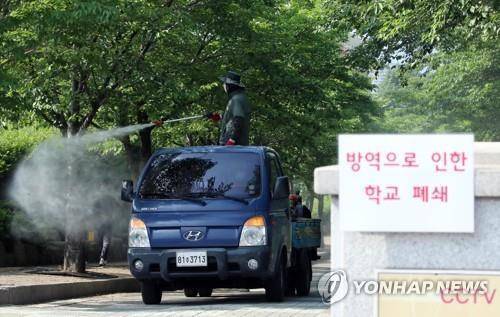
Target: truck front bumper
223,263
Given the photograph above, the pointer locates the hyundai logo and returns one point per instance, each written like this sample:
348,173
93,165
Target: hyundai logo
193,235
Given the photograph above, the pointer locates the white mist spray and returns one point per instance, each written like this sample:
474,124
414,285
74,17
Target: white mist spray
62,181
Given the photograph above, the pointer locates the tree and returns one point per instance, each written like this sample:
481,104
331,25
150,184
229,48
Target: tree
301,89
410,31
300,86
457,92
428,41
71,57
102,64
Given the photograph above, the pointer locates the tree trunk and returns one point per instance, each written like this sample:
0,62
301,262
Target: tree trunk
74,246
74,251
308,202
310,196
321,203
145,136
137,155
133,157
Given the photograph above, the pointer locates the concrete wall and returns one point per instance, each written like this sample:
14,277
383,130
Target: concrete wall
19,253
362,254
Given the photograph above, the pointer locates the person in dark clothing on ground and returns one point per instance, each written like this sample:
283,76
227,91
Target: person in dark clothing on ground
105,234
235,123
103,210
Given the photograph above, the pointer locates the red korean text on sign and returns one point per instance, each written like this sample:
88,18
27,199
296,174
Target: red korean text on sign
442,159
355,159
391,193
440,193
410,160
458,161
373,193
437,193
374,159
391,158
421,192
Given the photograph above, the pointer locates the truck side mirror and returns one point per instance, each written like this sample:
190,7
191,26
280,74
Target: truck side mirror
281,188
127,190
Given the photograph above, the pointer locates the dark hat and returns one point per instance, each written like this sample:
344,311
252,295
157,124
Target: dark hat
232,78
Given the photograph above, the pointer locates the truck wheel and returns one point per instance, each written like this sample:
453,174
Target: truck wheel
303,280
276,286
190,292
206,292
290,283
151,293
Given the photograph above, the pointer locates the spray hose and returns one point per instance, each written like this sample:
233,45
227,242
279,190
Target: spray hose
214,116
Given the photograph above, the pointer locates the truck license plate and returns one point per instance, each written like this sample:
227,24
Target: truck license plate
191,258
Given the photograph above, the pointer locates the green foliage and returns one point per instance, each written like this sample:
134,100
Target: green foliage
458,92
411,30
15,223
113,63
300,87
6,215
15,144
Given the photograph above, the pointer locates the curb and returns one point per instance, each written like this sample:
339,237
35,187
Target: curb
31,294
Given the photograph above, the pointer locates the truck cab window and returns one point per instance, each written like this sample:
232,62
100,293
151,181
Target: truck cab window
181,174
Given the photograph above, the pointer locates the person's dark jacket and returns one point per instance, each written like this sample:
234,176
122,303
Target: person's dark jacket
301,211
235,123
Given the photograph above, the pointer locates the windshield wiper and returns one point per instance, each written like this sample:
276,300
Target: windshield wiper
218,194
186,197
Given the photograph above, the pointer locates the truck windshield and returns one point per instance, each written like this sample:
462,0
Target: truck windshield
175,175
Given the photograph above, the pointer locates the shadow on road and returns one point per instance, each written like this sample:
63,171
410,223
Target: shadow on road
220,302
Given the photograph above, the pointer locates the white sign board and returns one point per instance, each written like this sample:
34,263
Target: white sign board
406,183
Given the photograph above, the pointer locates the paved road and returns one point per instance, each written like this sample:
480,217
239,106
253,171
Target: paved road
233,303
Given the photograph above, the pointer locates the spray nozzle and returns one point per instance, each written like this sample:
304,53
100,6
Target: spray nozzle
157,123
214,116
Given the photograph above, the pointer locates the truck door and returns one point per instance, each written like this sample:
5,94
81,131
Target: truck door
279,211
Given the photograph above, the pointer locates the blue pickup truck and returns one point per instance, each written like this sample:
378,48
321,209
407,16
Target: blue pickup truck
217,217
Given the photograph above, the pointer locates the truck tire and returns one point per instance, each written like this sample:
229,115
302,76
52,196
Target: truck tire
190,292
205,292
276,286
304,270
151,293
290,282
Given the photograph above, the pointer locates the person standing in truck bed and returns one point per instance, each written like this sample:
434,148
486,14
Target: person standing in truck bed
235,123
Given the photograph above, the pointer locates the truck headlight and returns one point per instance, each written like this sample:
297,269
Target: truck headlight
254,232
138,234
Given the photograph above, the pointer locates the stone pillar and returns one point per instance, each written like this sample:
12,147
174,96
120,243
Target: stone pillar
361,254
